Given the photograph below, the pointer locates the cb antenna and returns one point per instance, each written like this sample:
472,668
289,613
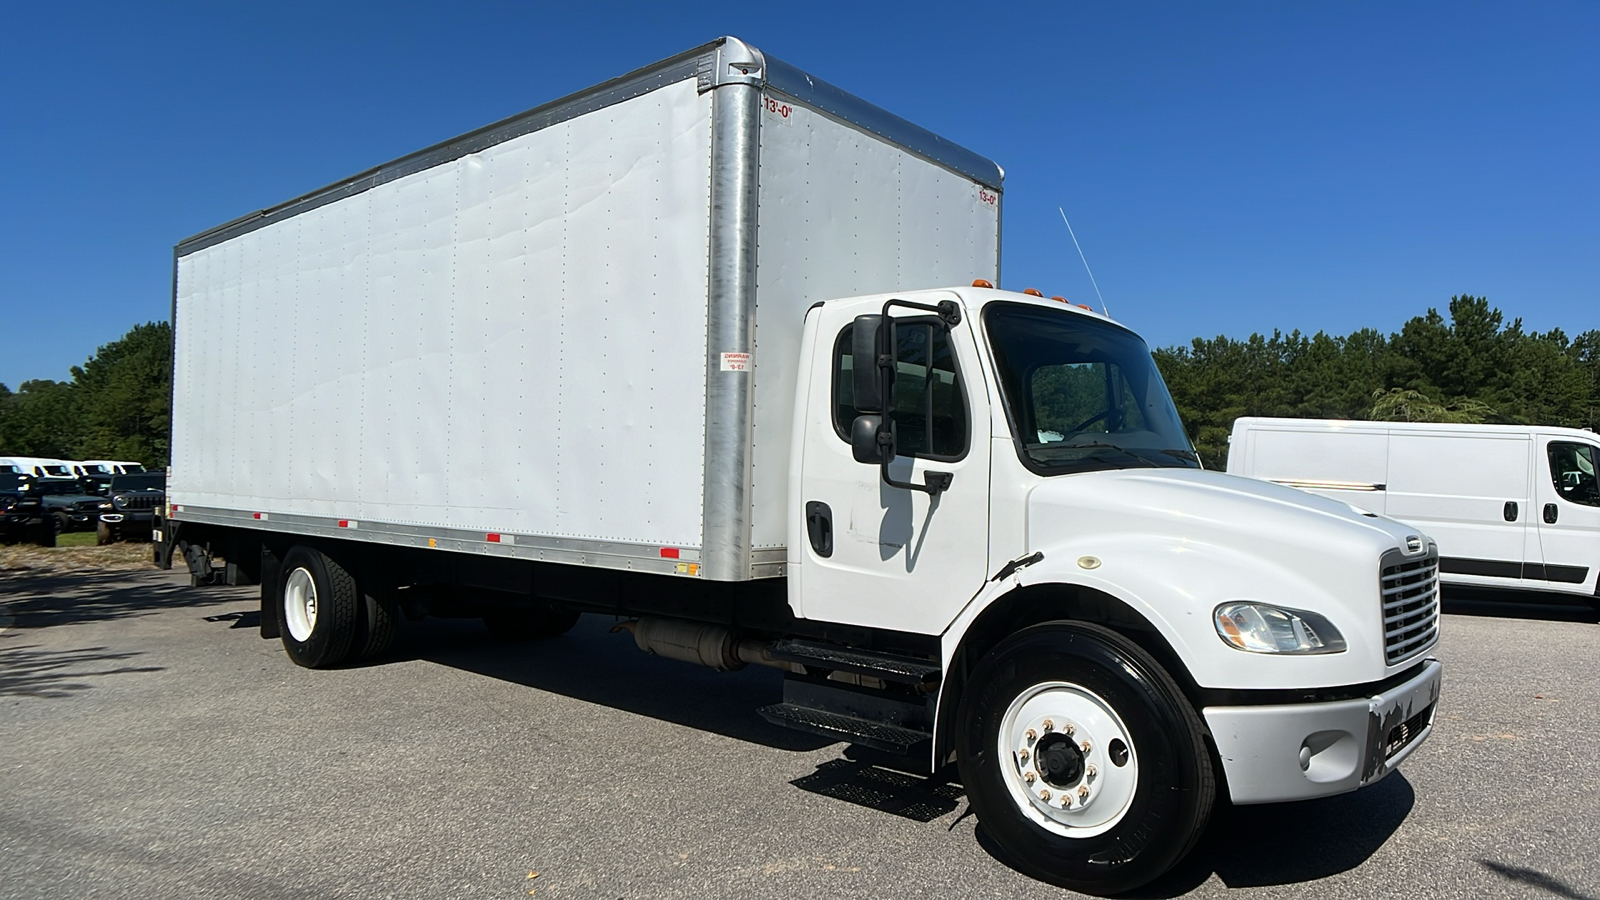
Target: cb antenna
1085,263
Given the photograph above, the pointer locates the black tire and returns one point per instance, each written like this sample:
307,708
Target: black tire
375,627
1172,785
321,638
529,624
45,532
60,522
103,534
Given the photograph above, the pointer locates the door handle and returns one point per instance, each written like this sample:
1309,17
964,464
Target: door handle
1511,511
1551,513
819,527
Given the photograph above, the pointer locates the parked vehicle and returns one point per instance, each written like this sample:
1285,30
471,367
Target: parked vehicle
531,373
109,467
68,504
1511,506
41,467
21,514
129,507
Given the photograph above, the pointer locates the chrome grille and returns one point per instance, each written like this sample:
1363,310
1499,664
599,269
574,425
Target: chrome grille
1410,603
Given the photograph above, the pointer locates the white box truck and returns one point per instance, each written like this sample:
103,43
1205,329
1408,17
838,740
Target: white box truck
1510,506
682,349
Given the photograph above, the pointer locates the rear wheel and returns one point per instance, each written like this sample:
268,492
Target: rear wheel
103,535
375,628
318,608
1083,759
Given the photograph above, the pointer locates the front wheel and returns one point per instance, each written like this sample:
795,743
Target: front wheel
103,534
1083,759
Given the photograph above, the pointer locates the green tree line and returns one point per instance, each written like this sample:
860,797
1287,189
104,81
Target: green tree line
117,405
1469,367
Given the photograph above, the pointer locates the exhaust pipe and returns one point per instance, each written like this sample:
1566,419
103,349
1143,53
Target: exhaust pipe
714,646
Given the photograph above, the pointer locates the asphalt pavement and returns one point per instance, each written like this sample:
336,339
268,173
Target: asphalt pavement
153,745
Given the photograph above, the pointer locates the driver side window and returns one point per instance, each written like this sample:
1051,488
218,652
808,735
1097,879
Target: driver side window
930,409
1572,469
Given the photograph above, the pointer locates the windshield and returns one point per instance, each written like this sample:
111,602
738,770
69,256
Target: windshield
57,488
1082,394
143,482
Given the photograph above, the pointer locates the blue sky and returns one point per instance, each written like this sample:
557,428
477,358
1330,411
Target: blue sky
1228,167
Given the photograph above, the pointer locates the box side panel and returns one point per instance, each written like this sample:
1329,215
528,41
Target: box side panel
512,341
844,212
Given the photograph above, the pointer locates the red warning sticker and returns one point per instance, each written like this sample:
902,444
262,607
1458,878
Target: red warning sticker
736,362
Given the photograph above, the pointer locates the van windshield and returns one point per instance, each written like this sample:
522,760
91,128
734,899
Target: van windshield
1082,394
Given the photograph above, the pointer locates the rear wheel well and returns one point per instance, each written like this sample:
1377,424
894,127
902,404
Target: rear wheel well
1037,604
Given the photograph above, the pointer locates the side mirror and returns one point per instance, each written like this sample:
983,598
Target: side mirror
865,350
870,441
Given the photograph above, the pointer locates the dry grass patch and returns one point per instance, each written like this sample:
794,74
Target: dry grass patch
19,559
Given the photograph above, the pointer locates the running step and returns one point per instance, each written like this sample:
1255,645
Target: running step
889,738
887,666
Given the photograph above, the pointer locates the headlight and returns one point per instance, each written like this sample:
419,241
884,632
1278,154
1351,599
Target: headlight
105,504
1259,628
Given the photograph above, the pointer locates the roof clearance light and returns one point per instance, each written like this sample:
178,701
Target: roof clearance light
983,283
1085,306
1060,299
1033,292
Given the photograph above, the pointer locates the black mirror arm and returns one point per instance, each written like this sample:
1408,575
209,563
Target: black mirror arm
948,311
933,483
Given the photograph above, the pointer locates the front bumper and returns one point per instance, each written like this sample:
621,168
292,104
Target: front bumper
1299,751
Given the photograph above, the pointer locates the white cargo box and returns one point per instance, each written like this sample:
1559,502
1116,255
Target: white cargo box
570,336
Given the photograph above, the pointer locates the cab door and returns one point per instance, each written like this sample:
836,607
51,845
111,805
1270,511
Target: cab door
873,554
1568,514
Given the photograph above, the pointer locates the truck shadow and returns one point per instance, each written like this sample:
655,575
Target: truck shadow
42,601
593,665
1290,843
1501,603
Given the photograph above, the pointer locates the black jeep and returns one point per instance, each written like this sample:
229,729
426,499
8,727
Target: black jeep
21,515
69,504
129,507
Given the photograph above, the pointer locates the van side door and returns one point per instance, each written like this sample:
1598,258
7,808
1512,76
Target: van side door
1470,492
1568,514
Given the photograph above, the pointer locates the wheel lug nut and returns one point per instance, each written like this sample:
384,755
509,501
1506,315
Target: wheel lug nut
1084,746
1028,777
1049,725
1069,728
1023,756
1032,735
1083,792
1090,771
1045,796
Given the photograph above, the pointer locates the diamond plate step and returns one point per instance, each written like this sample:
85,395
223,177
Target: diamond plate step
890,738
887,666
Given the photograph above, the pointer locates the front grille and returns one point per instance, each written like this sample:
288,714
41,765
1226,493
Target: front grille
1410,604
149,501
86,505
1406,732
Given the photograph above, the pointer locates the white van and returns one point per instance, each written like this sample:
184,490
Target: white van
40,467
1510,506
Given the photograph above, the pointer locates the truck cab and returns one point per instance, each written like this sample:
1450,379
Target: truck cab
1008,473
